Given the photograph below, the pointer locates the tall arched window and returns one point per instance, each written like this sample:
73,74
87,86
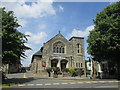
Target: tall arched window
57,50
79,48
58,47
54,48
63,50
78,45
60,50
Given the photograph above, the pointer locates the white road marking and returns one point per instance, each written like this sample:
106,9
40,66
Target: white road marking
87,82
101,81
24,76
30,84
39,84
56,83
80,82
72,82
64,83
94,82
48,84
21,85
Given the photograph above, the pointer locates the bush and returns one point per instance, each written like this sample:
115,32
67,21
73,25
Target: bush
66,70
48,69
76,71
57,69
59,73
72,72
88,72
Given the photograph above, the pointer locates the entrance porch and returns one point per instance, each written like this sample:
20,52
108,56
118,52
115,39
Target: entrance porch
62,64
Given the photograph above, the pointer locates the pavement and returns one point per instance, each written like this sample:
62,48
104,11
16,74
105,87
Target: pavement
27,79
60,77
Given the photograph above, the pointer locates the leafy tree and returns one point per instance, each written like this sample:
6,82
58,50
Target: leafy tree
13,41
104,39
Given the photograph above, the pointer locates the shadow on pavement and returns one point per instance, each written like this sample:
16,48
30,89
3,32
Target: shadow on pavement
20,80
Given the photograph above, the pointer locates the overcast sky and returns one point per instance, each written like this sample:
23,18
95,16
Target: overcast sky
42,21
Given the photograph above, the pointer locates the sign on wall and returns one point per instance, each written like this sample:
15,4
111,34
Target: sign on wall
43,63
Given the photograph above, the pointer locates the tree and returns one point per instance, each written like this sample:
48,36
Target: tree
104,39
13,41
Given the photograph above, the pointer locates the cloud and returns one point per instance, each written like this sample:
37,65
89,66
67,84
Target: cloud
35,41
61,8
26,10
26,62
80,33
37,38
31,10
42,26
22,22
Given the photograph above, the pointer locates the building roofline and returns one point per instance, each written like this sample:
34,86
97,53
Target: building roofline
76,37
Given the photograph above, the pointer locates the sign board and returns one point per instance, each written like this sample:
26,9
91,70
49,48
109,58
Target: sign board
43,63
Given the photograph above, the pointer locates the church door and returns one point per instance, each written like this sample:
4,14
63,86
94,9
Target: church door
54,63
63,64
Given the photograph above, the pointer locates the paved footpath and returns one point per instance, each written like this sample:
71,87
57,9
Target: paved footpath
27,80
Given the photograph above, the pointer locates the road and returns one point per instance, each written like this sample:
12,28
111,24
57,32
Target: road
27,80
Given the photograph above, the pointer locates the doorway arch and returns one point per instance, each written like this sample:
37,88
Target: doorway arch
63,64
54,63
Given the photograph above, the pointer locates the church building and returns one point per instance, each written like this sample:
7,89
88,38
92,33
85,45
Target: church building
59,52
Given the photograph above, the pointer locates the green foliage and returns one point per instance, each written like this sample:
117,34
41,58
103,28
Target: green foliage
66,70
57,69
71,69
48,69
13,41
74,71
95,70
88,72
104,40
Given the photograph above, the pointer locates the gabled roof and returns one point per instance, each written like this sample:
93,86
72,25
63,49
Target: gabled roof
76,37
58,35
39,52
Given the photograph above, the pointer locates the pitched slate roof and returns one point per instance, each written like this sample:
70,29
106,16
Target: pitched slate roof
39,52
76,37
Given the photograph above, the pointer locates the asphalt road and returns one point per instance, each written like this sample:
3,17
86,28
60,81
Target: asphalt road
27,80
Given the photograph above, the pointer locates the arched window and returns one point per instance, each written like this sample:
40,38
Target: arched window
60,50
54,48
57,50
78,45
63,50
58,47
79,49
81,64
76,64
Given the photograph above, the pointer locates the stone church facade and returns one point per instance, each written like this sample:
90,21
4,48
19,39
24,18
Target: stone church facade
59,52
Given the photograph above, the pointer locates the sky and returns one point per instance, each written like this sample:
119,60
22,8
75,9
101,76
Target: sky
43,20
